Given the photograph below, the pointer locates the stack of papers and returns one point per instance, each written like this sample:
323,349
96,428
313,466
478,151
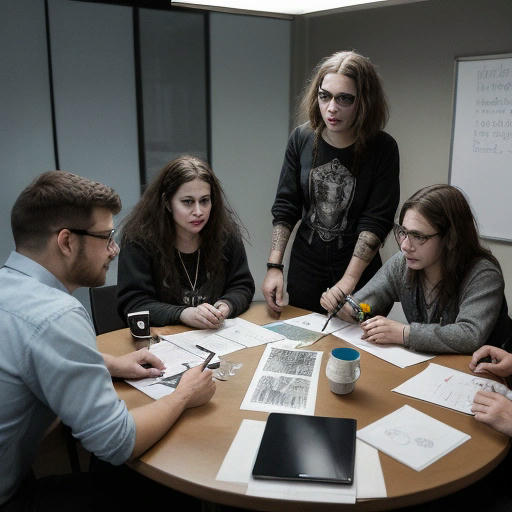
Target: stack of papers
412,437
179,352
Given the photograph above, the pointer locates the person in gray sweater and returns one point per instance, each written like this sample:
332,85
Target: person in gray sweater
450,287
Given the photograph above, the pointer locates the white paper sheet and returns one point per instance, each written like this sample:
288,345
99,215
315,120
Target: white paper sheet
246,333
449,388
235,334
412,437
178,353
315,322
285,381
394,354
239,461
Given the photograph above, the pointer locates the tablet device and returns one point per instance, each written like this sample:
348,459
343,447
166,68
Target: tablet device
307,448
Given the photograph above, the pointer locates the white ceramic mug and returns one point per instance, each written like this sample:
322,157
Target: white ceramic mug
343,370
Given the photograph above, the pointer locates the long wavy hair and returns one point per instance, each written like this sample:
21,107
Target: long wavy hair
449,213
151,225
372,110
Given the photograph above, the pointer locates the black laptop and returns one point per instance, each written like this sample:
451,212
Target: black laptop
307,448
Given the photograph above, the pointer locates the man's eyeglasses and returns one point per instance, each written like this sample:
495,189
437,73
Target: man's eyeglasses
109,238
344,99
415,238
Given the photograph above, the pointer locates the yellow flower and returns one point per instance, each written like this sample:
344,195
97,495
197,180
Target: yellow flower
365,307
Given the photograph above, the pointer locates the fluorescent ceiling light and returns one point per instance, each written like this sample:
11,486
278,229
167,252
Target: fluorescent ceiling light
289,7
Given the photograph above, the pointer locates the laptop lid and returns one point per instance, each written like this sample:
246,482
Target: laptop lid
307,448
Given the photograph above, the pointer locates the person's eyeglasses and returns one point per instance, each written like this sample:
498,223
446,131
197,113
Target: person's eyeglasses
415,238
344,99
109,238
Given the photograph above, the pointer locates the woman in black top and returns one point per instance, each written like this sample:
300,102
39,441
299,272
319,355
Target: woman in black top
340,177
182,256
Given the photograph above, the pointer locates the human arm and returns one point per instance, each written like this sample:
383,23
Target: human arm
286,212
374,206
479,304
129,366
367,246
273,283
499,363
153,420
380,293
494,410
69,375
136,288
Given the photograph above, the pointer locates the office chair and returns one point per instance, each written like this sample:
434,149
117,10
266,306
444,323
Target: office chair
104,309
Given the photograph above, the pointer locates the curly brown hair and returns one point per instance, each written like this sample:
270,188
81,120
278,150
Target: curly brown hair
151,225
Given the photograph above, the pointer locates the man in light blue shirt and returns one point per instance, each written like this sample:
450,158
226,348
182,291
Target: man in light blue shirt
49,365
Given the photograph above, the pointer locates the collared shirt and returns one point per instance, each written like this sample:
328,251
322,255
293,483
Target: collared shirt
49,366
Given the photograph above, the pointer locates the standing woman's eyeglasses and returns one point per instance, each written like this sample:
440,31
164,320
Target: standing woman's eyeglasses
415,238
343,99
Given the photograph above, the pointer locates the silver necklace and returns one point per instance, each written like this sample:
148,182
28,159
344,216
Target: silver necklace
430,293
193,286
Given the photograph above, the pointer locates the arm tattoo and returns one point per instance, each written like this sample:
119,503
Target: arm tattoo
280,236
367,246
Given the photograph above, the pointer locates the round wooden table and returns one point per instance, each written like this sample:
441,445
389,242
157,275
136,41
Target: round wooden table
189,456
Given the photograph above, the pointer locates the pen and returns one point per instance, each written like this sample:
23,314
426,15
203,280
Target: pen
333,313
207,360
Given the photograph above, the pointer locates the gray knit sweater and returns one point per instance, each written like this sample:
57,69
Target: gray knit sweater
467,322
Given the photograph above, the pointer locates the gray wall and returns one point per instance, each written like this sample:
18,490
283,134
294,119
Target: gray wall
26,140
414,47
94,91
250,63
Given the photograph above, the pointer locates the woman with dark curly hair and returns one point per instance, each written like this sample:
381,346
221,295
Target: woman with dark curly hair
182,256
451,288
340,177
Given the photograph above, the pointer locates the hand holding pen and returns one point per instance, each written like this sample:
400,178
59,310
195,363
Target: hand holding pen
326,302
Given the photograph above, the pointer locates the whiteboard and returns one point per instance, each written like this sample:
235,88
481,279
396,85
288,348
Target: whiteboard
481,153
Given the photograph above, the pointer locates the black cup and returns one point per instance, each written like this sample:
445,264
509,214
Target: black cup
138,322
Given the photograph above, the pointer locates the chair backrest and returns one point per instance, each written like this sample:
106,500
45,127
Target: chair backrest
104,309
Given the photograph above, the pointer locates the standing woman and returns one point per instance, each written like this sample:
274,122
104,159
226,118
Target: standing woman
182,256
340,176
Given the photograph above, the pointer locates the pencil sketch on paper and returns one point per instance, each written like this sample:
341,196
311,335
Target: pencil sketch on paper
290,362
397,436
424,442
282,391
458,393
448,387
286,380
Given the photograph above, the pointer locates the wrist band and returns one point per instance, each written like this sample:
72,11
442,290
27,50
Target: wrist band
280,266
403,334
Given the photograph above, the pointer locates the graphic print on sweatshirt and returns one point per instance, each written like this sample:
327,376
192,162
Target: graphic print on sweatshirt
331,189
